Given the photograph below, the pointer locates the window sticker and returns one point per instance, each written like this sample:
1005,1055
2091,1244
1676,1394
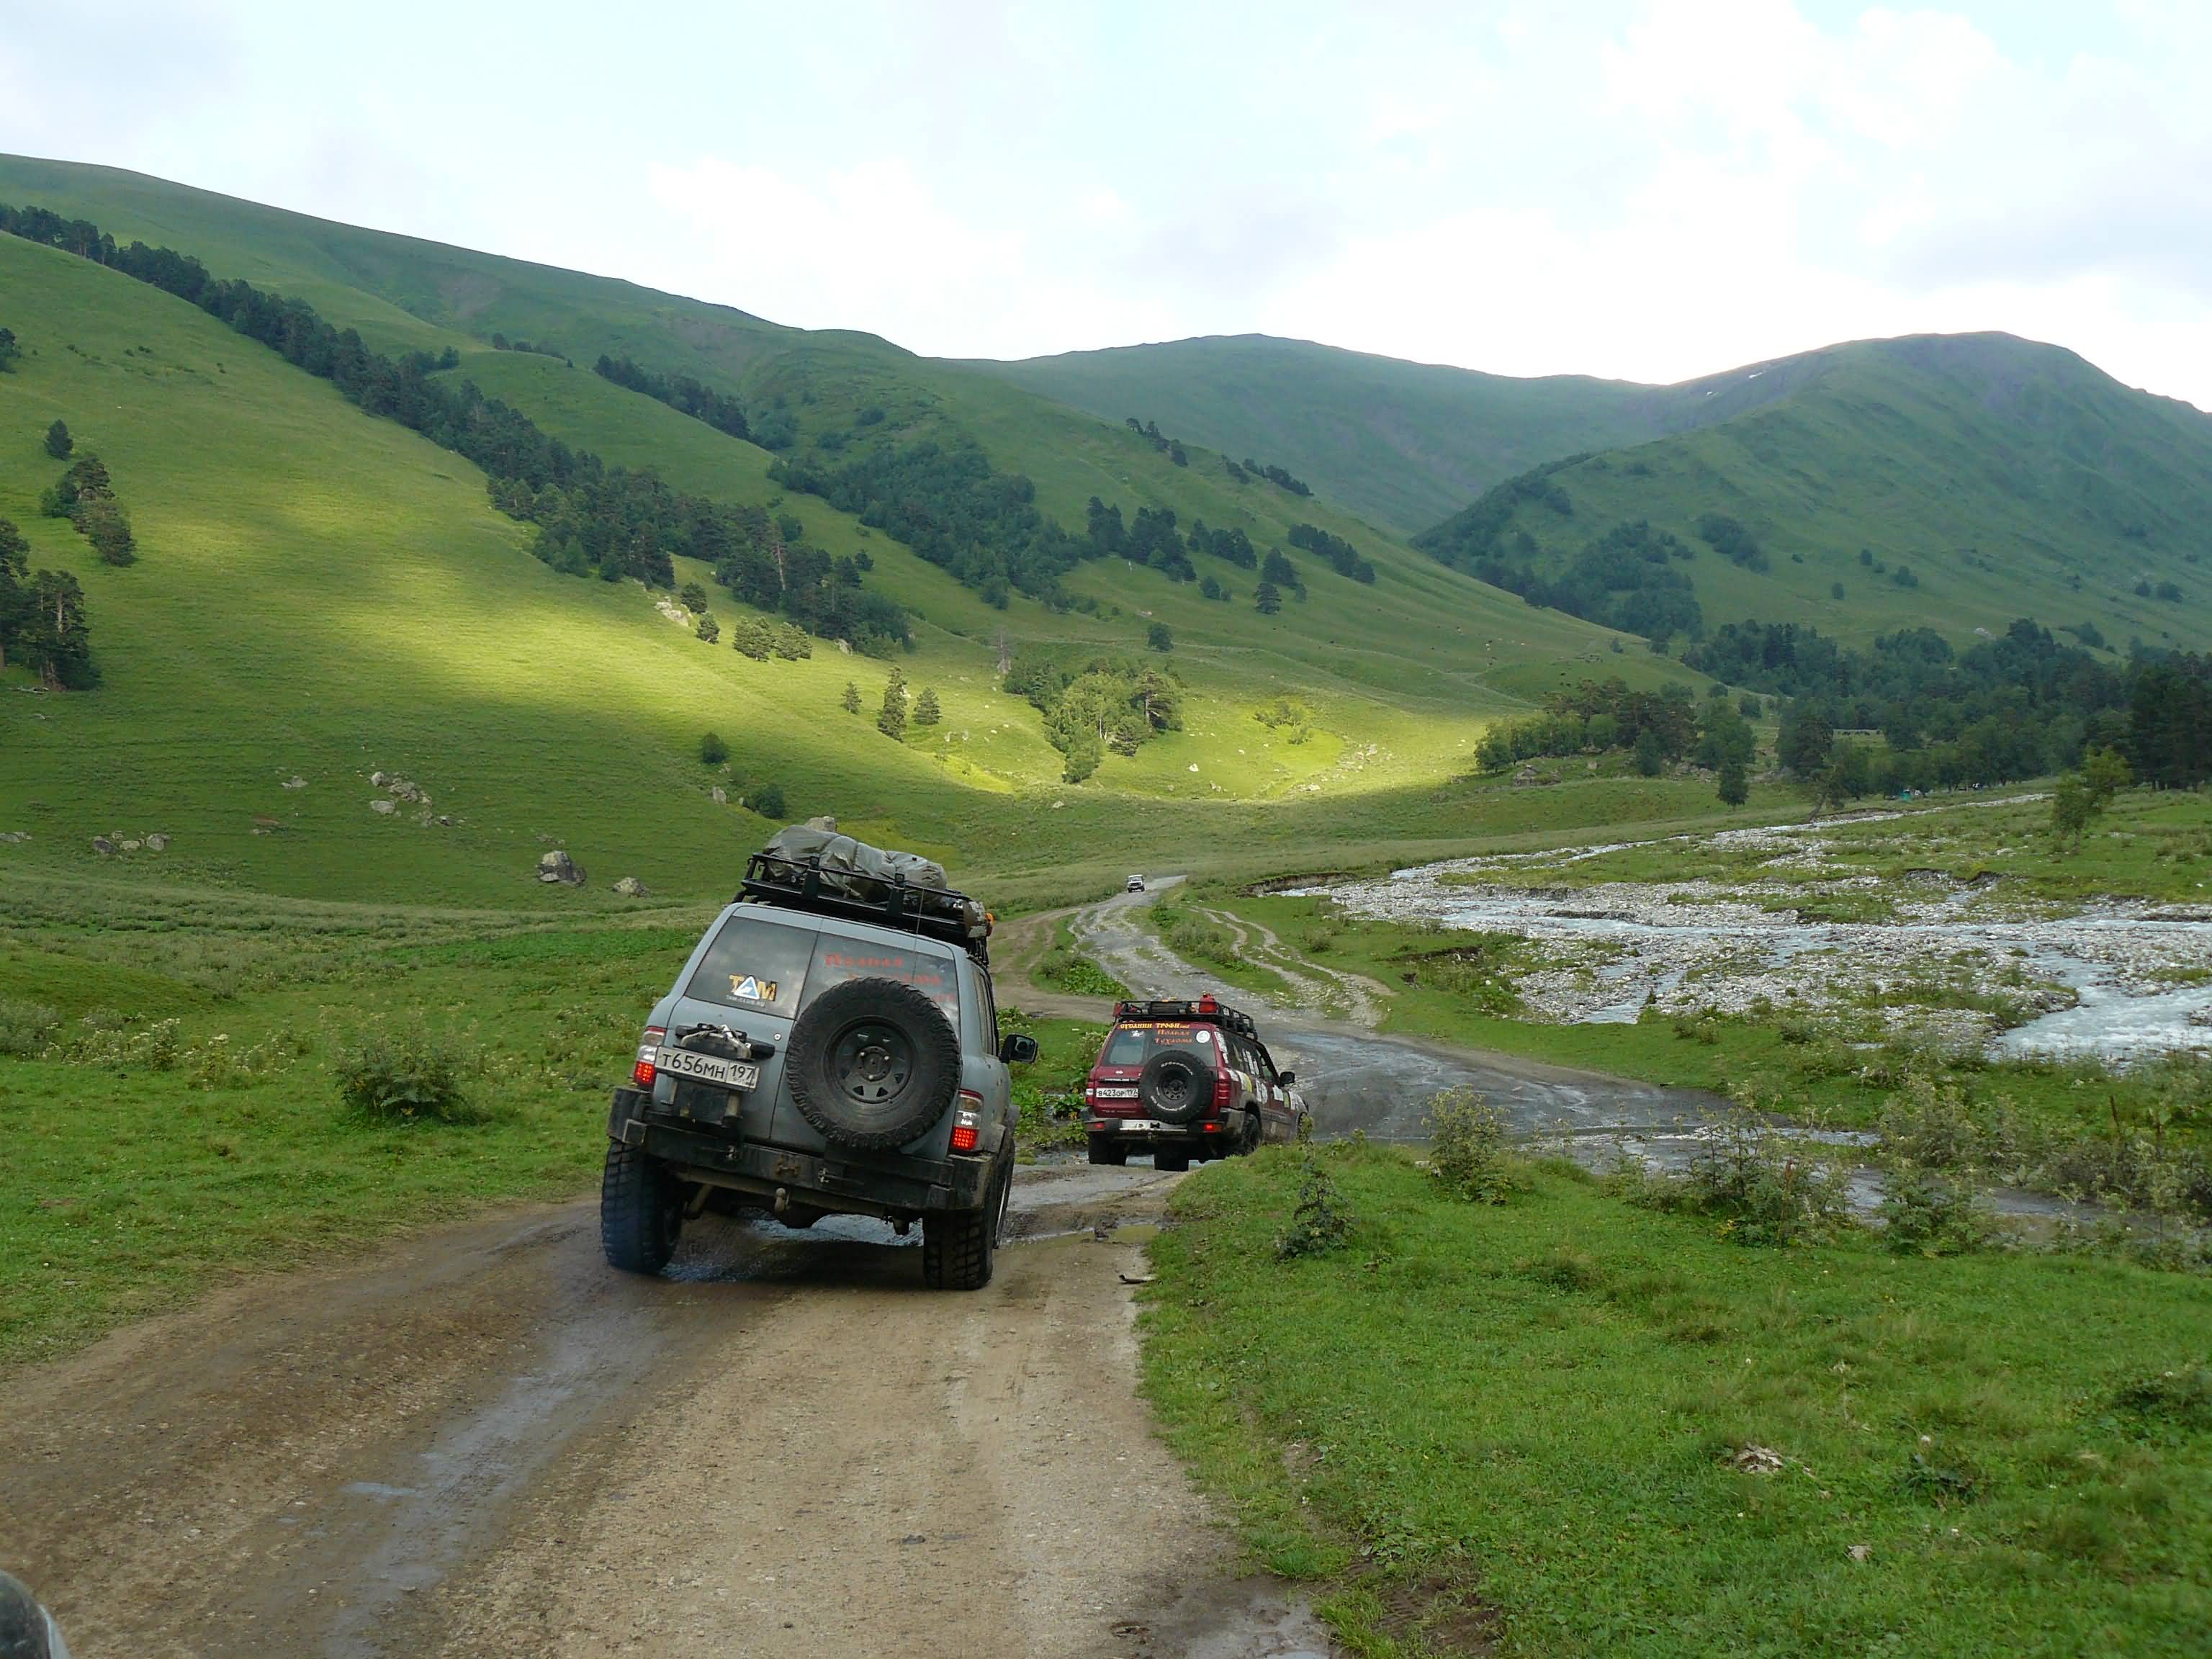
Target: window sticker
750,988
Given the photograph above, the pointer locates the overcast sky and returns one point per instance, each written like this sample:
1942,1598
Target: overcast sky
1651,191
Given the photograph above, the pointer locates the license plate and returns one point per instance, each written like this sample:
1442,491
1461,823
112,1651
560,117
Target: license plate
708,1068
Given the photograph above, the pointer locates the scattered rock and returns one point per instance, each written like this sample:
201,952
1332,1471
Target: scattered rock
381,804
378,780
1757,1460
295,781
844,647
825,823
1865,1551
11,837
132,846
157,843
557,866
721,796
442,819
631,887
104,848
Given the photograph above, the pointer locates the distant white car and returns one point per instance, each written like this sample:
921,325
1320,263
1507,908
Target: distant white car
1136,884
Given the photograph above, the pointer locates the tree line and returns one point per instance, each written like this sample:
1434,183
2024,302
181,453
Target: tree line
1097,703
42,618
2019,706
680,392
1343,557
85,495
592,517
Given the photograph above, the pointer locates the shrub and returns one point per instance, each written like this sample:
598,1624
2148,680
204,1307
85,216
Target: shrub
398,1073
712,750
1320,1222
708,630
768,800
1926,1215
155,1048
25,1026
1467,1154
1761,1185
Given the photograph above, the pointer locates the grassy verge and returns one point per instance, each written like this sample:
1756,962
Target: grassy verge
1049,1093
1531,1425
172,1133
1065,968
1200,940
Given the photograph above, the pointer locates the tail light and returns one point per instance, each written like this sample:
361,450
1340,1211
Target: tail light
642,1074
968,1125
1221,1089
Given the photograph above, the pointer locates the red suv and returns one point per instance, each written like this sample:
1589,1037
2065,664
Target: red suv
1187,1080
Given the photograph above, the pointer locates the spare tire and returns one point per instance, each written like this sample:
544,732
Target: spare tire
1176,1085
872,1063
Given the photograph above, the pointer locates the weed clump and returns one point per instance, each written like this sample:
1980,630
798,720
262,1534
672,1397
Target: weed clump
1467,1153
1320,1223
1762,1186
404,1072
1925,1214
25,1026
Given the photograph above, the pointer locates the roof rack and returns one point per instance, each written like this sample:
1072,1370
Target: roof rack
1204,1011
938,912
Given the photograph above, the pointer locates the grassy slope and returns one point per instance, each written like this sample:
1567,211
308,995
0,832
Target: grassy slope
2011,478
1519,1422
1401,444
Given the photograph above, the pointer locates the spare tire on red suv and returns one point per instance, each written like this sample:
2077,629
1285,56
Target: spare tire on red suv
1176,1085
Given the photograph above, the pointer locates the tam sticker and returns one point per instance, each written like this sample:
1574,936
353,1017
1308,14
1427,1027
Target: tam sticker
747,988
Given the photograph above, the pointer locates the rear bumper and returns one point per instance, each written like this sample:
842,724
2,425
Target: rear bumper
1149,1132
844,1183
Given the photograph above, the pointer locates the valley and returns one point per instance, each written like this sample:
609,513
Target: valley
1765,814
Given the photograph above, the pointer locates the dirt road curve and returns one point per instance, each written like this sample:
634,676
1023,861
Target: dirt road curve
482,1442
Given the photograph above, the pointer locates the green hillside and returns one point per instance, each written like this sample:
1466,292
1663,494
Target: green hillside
321,594
1953,481
1400,444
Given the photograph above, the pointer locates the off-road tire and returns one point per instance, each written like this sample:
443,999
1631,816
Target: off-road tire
960,1247
641,1211
1114,1153
872,1063
1171,1160
1255,1132
1176,1085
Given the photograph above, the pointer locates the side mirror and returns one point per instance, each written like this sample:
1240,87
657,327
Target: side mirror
1286,1078
1017,1049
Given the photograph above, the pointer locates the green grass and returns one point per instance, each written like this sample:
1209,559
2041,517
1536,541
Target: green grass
1518,1423
222,1147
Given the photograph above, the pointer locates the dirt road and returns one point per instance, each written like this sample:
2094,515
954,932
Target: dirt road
482,1442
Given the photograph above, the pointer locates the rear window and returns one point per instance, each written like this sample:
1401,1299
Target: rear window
1133,1045
836,960
755,964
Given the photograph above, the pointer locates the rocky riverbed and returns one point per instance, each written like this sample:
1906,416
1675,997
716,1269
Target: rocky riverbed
1926,956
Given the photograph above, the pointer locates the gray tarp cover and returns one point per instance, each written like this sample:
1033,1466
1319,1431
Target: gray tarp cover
866,873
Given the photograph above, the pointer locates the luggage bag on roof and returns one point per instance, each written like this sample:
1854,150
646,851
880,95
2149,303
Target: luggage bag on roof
870,874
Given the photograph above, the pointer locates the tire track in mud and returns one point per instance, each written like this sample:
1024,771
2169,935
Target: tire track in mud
483,1441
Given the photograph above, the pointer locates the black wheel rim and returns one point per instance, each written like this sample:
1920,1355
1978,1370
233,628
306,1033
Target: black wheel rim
872,1062
1171,1088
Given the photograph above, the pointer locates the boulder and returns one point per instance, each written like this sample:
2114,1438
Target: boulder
378,780
158,843
132,846
384,805
826,823
104,848
557,866
295,781
631,887
721,796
